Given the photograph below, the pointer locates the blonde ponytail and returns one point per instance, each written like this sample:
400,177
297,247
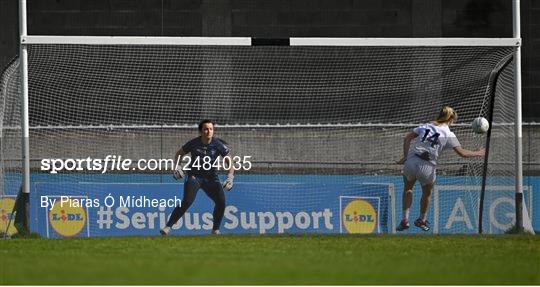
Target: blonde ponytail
445,115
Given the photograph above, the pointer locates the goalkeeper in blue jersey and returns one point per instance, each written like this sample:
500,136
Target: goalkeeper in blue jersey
201,174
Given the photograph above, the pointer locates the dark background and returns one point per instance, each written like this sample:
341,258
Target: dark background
284,18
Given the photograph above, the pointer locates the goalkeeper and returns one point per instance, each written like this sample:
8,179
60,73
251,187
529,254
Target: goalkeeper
201,175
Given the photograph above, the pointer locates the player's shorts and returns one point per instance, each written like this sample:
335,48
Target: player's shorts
416,168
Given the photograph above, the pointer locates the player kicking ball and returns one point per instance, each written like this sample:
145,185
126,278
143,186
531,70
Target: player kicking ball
204,149
420,161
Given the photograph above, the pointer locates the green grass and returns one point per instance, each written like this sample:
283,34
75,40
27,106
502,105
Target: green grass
273,260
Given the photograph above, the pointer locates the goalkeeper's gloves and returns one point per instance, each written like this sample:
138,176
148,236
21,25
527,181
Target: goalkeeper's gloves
178,172
228,183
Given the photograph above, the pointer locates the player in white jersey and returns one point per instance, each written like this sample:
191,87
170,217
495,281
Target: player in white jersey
420,161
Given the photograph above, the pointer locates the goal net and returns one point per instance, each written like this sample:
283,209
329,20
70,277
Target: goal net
325,115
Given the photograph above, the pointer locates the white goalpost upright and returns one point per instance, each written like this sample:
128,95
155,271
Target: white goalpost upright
324,86
518,128
25,124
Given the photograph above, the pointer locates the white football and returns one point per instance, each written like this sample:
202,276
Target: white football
480,125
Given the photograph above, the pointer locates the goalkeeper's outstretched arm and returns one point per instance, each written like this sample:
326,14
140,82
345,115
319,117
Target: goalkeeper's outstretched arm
178,169
178,156
230,171
228,183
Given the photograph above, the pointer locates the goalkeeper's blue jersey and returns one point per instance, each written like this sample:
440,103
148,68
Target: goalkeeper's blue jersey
204,156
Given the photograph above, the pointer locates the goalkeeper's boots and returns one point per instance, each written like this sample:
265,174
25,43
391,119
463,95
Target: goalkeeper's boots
165,230
422,224
404,224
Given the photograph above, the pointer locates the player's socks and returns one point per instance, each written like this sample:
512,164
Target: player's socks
406,214
423,216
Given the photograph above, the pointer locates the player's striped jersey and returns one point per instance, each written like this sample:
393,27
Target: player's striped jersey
431,141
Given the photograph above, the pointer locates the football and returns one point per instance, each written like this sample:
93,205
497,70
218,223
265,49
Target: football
480,125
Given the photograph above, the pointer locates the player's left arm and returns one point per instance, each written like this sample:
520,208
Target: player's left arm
453,142
469,153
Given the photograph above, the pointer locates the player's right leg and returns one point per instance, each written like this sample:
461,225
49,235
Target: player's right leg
191,186
409,179
422,222
426,176
407,198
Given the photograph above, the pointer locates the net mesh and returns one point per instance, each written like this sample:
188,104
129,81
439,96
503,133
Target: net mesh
331,114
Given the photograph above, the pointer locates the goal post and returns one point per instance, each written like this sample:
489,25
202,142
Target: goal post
22,202
516,21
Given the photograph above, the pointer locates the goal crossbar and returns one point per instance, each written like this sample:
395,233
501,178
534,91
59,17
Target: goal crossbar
247,41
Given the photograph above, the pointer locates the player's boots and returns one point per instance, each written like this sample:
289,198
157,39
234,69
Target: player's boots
404,224
216,232
165,230
422,224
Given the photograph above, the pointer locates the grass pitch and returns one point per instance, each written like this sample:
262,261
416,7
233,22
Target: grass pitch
301,259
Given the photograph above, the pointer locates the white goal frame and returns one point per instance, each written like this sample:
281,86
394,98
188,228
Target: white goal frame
26,40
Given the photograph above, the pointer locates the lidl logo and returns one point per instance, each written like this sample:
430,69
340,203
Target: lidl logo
67,219
359,216
6,208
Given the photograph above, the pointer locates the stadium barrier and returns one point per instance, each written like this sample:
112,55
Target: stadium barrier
452,210
105,209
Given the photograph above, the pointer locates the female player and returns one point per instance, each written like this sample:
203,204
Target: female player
421,161
205,148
